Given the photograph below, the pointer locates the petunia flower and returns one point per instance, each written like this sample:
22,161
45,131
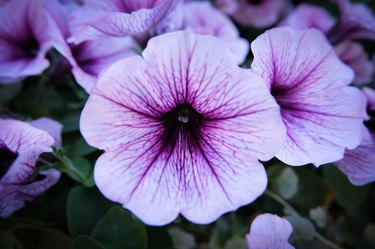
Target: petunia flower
350,52
269,231
309,16
182,128
356,22
254,13
21,144
88,58
98,19
359,164
322,114
354,55
203,18
24,41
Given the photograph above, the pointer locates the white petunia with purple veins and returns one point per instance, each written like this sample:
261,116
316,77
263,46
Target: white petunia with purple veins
98,19
359,164
269,231
21,144
322,114
24,41
88,58
182,128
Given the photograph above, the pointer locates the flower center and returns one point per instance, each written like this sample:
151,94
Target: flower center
182,120
370,124
7,157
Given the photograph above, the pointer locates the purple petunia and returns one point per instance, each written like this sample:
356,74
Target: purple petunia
24,41
89,57
182,128
269,231
98,19
322,114
21,144
254,13
359,164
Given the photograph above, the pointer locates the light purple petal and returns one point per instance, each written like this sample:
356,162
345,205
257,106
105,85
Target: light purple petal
309,16
359,164
201,175
26,193
227,6
356,21
23,39
118,18
353,55
269,231
52,127
202,18
322,114
261,15
26,143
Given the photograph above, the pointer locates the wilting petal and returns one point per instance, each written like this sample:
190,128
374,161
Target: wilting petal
202,18
20,146
16,200
23,39
356,21
309,16
269,231
322,114
353,55
259,15
359,164
118,18
201,165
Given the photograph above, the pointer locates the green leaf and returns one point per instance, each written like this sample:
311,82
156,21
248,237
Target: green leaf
302,228
52,100
7,92
347,195
286,183
119,230
312,189
86,242
84,208
80,148
71,122
81,170
54,237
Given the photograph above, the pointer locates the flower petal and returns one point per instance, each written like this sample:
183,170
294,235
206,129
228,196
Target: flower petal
269,231
322,114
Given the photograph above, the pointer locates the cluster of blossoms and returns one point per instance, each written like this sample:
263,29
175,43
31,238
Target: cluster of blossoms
182,126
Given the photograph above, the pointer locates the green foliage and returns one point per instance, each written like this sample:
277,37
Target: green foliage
85,242
84,209
118,229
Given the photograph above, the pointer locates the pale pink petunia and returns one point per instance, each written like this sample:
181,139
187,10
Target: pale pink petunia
351,53
21,144
259,13
359,164
182,128
204,19
24,41
97,18
322,114
269,231
88,58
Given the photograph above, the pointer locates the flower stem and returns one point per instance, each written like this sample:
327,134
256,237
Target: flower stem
293,211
